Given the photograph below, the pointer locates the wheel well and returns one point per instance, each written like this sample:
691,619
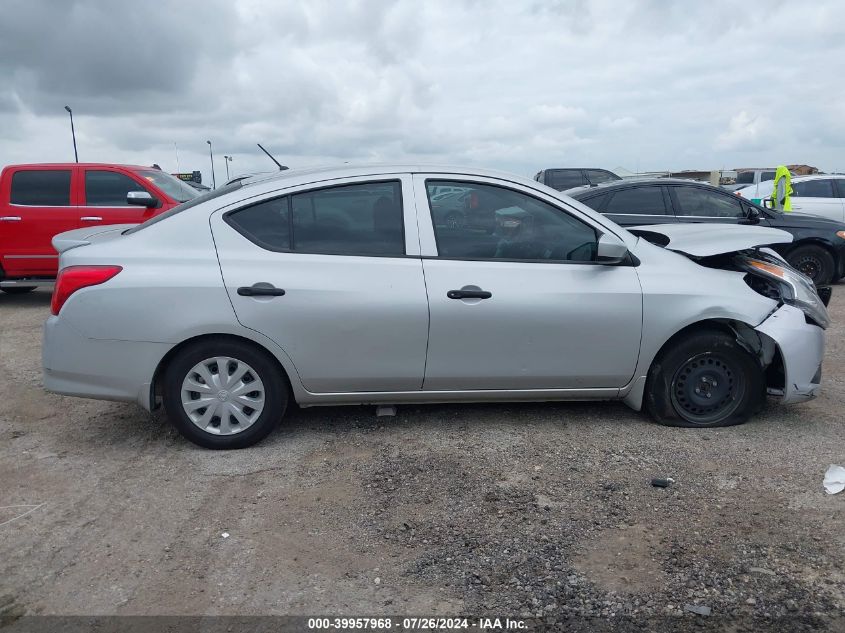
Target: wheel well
155,385
693,328
811,241
773,371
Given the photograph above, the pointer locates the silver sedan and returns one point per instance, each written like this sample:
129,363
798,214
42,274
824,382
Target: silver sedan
352,286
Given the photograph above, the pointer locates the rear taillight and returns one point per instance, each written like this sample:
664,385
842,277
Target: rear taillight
73,278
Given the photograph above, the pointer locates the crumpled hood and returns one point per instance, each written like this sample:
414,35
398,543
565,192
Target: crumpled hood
90,234
704,240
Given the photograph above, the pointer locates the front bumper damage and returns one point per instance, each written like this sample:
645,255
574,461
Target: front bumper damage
800,346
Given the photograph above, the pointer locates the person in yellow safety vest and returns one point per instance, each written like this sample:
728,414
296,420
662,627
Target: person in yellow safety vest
782,190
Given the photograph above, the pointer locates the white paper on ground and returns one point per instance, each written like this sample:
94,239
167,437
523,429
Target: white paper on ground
834,479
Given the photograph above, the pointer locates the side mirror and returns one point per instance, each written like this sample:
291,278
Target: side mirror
769,203
752,215
141,199
611,250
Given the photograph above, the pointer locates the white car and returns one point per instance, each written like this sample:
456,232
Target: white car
820,194
341,286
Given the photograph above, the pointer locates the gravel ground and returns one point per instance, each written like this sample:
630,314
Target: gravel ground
535,510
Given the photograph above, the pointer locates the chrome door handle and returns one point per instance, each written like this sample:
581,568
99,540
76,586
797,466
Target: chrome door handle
91,218
10,218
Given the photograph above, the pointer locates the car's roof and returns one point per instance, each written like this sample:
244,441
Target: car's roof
66,165
330,172
619,184
816,177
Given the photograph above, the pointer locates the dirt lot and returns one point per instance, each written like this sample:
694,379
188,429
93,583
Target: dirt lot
489,510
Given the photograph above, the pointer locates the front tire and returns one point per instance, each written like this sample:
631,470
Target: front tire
707,380
224,394
814,261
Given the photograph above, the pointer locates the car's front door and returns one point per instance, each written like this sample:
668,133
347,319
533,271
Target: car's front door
41,205
818,197
706,204
524,306
333,276
105,198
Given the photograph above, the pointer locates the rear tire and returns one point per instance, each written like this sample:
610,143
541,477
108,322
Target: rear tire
224,394
18,290
814,261
707,380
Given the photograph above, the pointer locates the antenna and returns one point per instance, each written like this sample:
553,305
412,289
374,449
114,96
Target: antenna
281,167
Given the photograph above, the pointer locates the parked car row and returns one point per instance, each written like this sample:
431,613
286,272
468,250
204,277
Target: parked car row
359,286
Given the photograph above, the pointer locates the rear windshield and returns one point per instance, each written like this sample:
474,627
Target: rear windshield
172,186
215,193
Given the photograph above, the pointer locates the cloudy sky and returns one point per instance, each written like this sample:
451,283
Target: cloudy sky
517,85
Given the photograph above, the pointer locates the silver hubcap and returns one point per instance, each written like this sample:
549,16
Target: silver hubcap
222,395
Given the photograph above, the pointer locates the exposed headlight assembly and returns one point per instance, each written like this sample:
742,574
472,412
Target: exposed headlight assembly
794,288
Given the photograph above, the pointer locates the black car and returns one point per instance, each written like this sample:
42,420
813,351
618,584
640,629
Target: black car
817,249
568,177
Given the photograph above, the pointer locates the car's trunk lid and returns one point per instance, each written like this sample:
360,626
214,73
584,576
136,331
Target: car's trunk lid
83,237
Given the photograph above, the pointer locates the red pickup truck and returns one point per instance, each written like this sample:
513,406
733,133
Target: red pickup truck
40,201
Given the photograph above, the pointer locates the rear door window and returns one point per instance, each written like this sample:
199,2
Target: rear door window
562,179
108,188
41,188
361,219
822,188
637,201
699,202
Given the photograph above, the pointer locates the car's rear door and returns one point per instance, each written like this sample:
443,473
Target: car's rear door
637,205
524,306
104,197
818,197
41,205
333,275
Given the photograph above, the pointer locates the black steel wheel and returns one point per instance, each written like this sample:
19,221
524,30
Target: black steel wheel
707,388
814,261
706,379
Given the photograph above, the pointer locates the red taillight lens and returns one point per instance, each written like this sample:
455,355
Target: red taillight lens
73,278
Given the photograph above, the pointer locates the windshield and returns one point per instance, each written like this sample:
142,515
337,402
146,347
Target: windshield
173,187
745,178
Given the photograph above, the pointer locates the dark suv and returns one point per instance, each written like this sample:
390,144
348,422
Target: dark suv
817,249
567,178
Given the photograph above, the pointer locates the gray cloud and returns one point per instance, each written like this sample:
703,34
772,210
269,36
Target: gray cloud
645,84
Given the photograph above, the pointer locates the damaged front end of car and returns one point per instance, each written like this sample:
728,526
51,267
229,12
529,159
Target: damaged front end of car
788,337
790,341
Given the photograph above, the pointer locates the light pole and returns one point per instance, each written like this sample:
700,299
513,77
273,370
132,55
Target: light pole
227,160
72,133
211,155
